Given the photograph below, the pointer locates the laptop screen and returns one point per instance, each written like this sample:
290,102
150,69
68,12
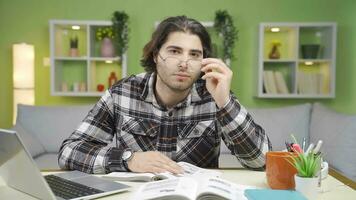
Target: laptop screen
17,168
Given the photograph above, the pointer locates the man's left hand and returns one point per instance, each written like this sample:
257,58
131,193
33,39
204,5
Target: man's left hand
218,79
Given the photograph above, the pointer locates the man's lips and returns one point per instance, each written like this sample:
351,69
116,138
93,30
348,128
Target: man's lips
182,75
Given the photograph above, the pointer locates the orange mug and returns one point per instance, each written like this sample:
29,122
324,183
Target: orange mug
280,173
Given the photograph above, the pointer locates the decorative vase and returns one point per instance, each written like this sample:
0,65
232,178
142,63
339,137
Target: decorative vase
73,52
310,51
100,87
307,186
107,48
274,54
112,79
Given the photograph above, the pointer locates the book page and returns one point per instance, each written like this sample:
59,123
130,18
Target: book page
189,171
194,171
177,188
221,189
129,176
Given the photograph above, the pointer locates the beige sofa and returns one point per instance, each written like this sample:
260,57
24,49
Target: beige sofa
43,129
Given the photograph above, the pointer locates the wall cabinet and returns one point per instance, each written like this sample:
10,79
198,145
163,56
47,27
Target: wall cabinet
296,60
78,65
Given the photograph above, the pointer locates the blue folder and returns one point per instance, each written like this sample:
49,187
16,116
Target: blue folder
268,194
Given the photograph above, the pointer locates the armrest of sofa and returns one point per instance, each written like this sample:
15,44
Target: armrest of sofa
279,124
50,125
31,142
337,131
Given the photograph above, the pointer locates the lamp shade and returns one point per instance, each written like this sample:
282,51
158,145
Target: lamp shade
23,63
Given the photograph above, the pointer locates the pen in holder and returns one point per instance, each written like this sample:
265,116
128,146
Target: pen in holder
309,167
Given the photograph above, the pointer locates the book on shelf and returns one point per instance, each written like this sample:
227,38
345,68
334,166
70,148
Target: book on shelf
280,83
310,83
274,82
189,170
269,82
188,188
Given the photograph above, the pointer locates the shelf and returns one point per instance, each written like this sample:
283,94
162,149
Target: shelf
105,59
82,94
286,37
78,71
100,72
71,58
296,96
296,70
314,60
278,61
63,33
314,79
321,36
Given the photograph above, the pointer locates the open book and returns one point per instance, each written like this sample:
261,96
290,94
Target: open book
187,188
189,171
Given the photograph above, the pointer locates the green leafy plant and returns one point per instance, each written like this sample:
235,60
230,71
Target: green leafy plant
104,32
73,42
224,25
121,30
306,164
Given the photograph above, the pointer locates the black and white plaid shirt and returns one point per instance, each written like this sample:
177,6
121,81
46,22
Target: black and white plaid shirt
191,131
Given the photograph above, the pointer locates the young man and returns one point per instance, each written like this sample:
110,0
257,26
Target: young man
178,111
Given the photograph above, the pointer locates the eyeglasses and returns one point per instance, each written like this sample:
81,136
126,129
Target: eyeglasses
176,61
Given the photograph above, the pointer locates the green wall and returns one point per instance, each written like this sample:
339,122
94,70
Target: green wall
27,21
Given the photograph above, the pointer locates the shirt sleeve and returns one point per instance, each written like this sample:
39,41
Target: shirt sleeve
245,139
87,148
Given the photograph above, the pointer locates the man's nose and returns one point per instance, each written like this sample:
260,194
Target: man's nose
184,61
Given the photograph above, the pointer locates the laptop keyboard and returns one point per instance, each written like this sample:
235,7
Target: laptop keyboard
68,189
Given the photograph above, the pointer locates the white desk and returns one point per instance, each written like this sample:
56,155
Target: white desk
331,187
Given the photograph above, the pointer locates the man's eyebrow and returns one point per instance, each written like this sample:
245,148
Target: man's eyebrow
196,51
180,48
174,47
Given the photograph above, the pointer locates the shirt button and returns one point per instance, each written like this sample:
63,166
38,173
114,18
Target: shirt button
170,114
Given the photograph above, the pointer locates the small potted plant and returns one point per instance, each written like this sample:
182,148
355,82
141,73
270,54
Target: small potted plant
105,35
308,166
73,51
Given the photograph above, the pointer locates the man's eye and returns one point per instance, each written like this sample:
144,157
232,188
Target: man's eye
173,51
195,55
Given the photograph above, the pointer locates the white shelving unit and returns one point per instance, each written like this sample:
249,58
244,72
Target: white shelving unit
88,68
305,75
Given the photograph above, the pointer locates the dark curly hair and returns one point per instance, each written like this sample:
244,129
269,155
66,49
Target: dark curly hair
167,26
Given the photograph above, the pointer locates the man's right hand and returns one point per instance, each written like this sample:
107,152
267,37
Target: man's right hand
153,161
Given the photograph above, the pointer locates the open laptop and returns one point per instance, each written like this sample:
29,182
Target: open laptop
19,171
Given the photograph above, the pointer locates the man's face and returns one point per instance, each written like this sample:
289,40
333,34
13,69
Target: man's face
179,61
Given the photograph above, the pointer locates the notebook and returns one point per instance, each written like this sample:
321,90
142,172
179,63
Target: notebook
19,171
261,194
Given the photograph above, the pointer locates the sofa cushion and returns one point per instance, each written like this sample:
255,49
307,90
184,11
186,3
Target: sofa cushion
51,124
32,143
280,123
338,133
